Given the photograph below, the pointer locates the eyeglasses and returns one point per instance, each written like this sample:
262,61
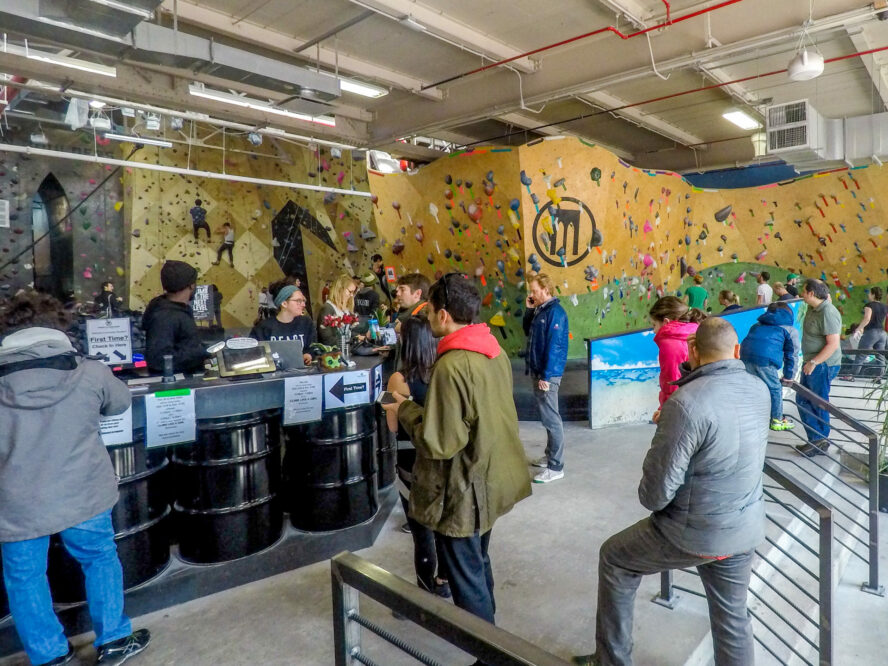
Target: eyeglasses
297,300
444,284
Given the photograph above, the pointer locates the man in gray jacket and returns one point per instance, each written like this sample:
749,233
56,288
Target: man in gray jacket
702,478
56,477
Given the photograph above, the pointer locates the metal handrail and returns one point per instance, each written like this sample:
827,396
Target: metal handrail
352,575
872,439
824,577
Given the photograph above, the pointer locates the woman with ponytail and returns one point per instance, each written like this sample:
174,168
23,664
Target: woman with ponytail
673,321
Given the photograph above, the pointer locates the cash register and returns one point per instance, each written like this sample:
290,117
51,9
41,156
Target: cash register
239,357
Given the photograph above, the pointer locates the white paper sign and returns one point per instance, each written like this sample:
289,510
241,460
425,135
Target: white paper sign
303,399
170,417
344,389
110,338
117,429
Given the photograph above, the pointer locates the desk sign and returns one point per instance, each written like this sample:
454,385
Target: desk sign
170,417
344,389
303,397
111,339
117,429
377,382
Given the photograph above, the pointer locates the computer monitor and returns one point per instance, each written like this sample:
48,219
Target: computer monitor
289,353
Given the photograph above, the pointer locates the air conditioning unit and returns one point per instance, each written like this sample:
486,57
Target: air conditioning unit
800,136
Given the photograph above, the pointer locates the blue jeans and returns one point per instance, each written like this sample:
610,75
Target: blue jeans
91,543
871,339
771,376
814,418
547,402
642,550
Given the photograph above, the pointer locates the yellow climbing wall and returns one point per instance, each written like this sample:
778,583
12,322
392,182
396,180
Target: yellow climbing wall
160,225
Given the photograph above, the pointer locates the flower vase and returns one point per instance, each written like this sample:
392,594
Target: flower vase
344,338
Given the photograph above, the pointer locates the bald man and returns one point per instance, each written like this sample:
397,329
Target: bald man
702,479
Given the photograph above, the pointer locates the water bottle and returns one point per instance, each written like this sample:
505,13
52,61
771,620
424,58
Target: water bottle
374,329
168,374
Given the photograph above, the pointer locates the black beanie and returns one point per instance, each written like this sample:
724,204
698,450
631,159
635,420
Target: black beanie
176,275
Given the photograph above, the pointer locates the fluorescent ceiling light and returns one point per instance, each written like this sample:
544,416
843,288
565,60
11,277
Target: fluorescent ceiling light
413,24
62,61
741,119
96,104
198,90
138,139
123,7
360,88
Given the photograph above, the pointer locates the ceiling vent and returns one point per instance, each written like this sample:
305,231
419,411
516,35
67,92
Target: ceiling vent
800,136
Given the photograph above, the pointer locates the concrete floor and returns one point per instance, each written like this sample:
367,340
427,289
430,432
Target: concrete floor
545,555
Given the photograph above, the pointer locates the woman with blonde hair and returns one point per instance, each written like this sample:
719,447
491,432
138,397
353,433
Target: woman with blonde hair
340,301
729,300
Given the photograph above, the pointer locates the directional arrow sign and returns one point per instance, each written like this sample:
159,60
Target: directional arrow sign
346,388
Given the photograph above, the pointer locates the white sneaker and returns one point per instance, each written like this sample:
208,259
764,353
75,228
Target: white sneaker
540,462
548,475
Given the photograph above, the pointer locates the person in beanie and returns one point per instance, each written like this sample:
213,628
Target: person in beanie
470,466
792,284
169,324
367,298
773,343
57,478
545,324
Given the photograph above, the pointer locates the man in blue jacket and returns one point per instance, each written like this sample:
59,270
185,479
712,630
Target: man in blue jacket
545,324
771,343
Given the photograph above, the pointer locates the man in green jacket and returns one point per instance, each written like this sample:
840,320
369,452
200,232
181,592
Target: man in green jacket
470,467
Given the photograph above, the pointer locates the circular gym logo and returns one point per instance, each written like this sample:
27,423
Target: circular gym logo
564,234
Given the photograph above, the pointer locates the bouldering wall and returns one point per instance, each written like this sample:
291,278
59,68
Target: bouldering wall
95,226
615,237
160,225
460,214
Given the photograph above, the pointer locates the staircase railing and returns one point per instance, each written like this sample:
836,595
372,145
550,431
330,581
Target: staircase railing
791,591
353,576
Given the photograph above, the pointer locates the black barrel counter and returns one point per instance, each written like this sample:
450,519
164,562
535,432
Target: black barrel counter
270,481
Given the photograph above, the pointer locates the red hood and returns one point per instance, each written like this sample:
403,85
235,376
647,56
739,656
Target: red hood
474,337
678,330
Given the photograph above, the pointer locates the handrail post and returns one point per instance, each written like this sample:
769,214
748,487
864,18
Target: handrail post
667,597
826,588
872,585
346,634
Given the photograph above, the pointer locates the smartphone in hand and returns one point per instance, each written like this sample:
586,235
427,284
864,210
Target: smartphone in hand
386,398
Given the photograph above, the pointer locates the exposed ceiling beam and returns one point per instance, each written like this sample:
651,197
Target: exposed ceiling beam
638,117
170,90
875,64
631,10
437,24
213,20
527,122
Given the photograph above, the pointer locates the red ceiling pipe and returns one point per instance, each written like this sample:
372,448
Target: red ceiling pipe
610,28
672,96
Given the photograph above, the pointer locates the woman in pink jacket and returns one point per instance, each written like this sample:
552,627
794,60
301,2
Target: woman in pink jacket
673,321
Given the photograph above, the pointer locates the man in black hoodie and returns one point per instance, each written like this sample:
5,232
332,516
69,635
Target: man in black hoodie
169,324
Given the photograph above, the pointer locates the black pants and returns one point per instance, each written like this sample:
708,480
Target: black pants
469,573
222,248
427,557
201,225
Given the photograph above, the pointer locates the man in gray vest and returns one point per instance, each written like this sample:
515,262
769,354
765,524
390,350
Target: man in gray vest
702,479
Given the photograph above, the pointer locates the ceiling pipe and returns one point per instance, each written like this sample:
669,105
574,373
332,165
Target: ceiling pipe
96,159
610,28
661,98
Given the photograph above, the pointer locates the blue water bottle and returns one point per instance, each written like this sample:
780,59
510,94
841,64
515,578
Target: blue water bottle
374,329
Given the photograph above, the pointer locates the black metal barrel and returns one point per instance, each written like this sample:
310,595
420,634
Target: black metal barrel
331,470
227,488
386,451
141,528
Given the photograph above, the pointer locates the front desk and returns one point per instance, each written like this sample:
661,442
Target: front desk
253,495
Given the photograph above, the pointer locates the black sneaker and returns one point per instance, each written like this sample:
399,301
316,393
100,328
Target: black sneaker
64,659
811,449
117,652
405,528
